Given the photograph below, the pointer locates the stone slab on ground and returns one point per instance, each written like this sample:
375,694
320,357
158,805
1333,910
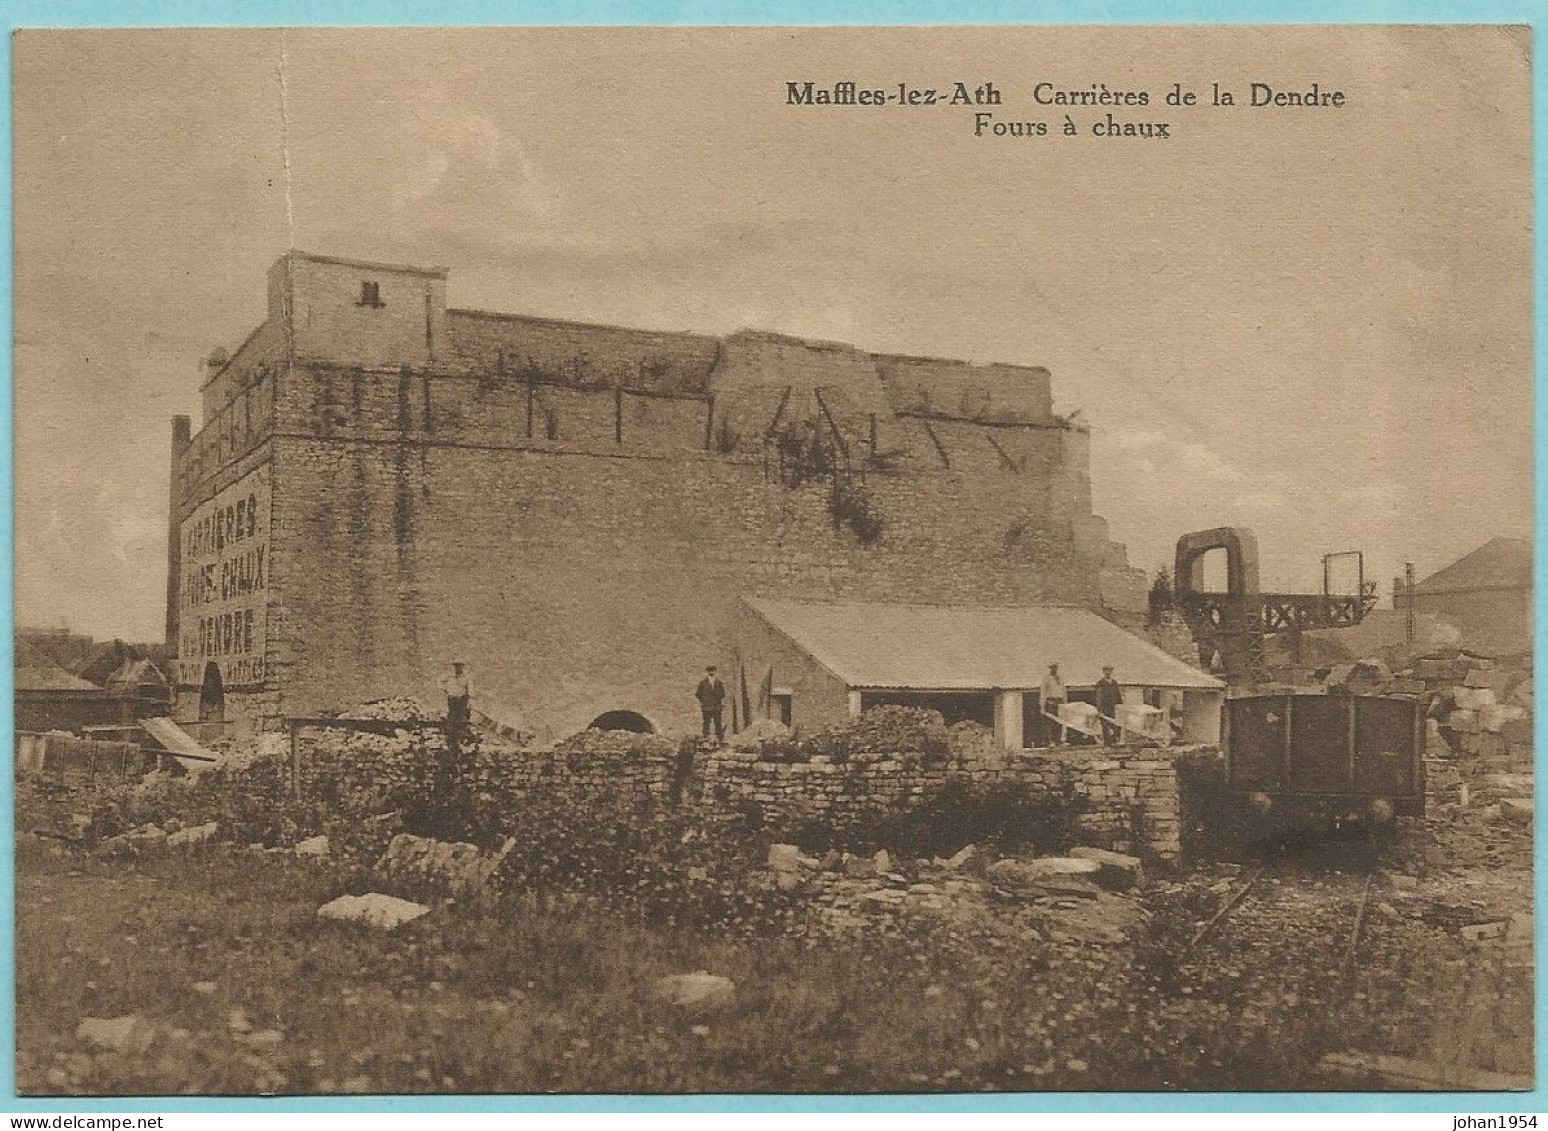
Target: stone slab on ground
196,835
312,846
789,858
962,858
127,1034
145,838
1031,873
454,866
700,991
1116,867
373,909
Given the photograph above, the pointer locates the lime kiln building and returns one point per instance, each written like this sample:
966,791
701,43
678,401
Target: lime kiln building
587,515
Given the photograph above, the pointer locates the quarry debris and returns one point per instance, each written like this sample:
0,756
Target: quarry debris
1518,809
127,1034
454,866
198,834
383,912
700,991
316,846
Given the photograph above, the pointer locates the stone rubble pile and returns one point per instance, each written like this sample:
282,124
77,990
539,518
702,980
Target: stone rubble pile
402,708
1075,899
1478,706
150,838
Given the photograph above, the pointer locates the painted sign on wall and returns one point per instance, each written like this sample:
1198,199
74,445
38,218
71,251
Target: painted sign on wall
223,598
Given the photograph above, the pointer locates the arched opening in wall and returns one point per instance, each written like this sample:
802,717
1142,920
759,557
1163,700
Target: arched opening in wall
631,721
212,696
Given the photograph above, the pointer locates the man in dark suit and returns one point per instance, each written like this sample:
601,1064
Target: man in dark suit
459,698
711,695
1108,696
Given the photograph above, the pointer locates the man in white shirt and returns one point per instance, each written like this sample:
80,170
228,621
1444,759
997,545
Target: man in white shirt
1051,698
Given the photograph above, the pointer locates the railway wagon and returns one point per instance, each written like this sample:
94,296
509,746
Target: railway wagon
1335,758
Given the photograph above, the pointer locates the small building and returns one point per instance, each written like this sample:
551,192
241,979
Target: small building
69,650
50,698
1487,595
141,687
810,664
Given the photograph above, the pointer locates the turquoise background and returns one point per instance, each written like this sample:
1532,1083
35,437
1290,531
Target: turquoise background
172,13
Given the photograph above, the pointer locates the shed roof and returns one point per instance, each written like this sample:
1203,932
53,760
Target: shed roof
36,672
971,648
1500,563
132,675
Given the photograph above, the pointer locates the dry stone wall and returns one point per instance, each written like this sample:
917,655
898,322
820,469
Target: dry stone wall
1129,800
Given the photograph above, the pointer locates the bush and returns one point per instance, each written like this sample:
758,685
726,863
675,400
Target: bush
850,503
656,864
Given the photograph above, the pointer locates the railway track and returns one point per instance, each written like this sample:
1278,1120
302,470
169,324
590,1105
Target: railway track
1280,871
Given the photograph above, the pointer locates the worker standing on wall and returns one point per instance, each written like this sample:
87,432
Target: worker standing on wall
459,704
711,695
1050,699
1108,696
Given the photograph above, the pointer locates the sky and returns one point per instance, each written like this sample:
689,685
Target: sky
1315,323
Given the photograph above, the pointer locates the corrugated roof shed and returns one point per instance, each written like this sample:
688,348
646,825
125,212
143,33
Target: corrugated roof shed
971,648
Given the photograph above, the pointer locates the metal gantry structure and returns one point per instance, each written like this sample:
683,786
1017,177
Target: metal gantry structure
1233,624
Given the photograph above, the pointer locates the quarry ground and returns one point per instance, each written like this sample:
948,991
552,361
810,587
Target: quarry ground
235,987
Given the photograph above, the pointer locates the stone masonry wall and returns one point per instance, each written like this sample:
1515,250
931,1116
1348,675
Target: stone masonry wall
580,580
1132,799
582,354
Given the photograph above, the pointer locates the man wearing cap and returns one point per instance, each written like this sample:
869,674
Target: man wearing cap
711,695
1108,696
1050,699
459,699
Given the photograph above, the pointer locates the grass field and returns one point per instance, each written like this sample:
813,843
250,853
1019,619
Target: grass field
238,988
242,990
462,1001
